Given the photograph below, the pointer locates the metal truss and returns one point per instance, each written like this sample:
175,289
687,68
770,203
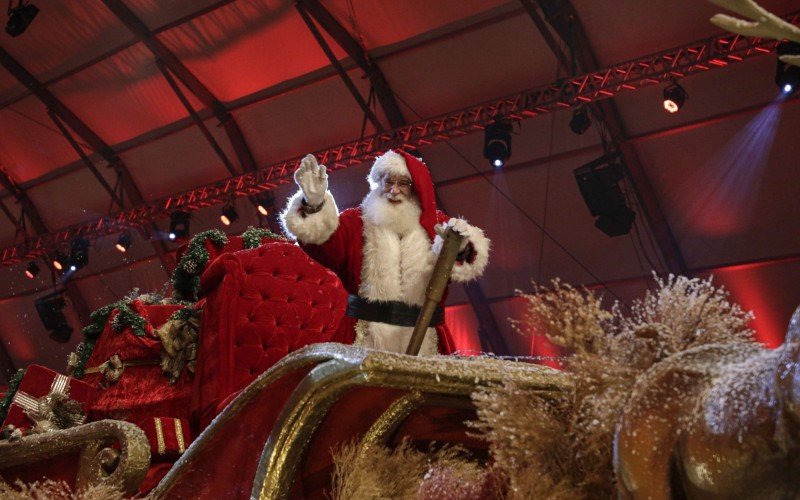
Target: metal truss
697,57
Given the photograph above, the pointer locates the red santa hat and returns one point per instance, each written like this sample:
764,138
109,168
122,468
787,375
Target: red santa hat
400,163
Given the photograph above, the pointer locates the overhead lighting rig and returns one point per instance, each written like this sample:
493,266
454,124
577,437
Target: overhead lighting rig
124,241
20,17
229,214
264,202
60,261
50,309
787,76
497,142
674,97
581,121
32,270
78,253
179,225
598,182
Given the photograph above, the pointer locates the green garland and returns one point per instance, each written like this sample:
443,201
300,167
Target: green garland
13,385
253,235
125,318
184,313
186,277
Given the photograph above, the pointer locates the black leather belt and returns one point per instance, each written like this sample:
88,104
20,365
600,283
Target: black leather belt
390,312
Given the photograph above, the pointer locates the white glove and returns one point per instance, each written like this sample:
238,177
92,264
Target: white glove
441,230
312,178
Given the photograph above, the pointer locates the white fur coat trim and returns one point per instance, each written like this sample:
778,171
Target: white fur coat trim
467,271
312,228
394,267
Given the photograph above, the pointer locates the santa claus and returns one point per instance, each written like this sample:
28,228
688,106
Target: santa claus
384,251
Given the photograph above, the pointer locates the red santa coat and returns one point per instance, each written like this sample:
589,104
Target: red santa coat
343,253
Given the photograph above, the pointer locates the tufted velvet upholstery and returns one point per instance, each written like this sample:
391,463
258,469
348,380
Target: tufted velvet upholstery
261,304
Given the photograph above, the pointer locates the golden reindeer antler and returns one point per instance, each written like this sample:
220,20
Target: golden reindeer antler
764,24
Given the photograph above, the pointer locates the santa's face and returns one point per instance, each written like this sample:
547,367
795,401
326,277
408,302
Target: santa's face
393,205
396,189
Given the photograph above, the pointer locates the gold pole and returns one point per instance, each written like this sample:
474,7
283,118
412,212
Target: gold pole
436,287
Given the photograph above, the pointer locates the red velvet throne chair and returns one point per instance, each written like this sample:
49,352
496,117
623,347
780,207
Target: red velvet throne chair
260,305
260,298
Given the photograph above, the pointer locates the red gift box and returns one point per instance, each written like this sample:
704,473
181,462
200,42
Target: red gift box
169,437
37,383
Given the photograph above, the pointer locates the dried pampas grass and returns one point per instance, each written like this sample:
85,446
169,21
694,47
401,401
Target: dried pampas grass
377,472
563,448
529,441
685,313
567,316
56,490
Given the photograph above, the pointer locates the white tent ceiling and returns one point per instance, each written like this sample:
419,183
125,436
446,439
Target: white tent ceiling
722,170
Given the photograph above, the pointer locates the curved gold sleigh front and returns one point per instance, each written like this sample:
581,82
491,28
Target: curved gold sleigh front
275,439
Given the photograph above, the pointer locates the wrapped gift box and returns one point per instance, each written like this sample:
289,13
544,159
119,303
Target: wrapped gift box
37,383
141,391
169,437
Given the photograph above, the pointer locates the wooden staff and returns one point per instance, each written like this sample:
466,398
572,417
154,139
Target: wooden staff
436,287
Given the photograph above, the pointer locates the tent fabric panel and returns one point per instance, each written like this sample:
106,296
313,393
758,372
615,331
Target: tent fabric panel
178,162
245,47
123,96
64,35
32,145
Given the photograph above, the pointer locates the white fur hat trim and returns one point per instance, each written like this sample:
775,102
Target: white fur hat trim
389,163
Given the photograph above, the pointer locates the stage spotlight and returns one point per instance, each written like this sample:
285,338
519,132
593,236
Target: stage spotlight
50,311
598,182
581,121
60,261
179,225
787,76
20,17
264,202
78,253
229,214
497,142
32,270
674,97
124,242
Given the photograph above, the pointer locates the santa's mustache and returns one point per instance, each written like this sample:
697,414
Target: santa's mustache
395,196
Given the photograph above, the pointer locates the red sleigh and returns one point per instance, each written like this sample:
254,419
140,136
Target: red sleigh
268,399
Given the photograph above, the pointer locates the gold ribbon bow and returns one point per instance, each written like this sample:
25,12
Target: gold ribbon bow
113,368
54,410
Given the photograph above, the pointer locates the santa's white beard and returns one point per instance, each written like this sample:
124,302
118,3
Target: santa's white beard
400,218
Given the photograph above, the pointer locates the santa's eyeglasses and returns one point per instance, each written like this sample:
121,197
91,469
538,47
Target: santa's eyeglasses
402,184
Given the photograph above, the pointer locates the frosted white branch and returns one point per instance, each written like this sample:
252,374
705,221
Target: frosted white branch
762,23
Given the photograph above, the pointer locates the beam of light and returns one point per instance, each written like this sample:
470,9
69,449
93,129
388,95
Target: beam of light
511,251
726,189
